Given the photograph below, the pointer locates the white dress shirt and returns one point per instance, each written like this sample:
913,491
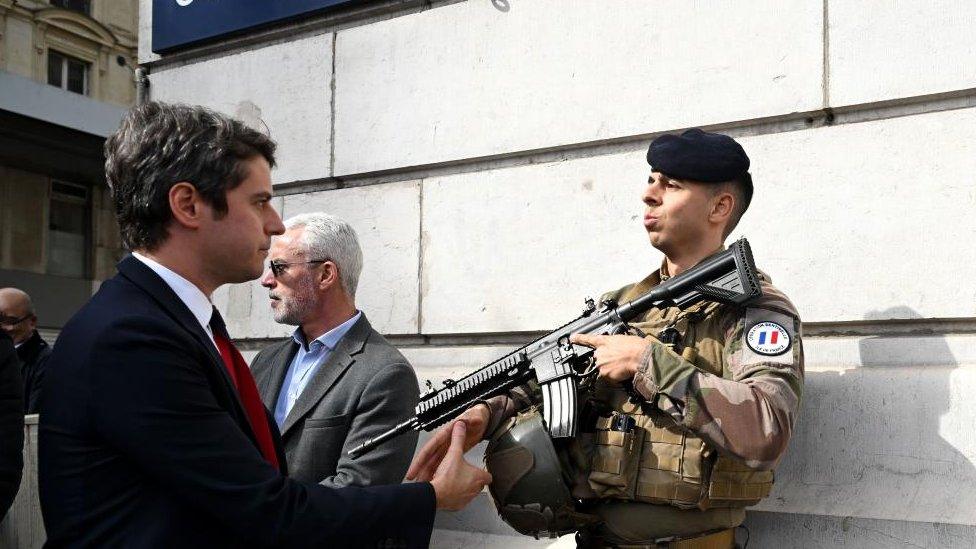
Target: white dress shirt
191,296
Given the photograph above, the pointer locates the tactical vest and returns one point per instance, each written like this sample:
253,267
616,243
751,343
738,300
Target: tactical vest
640,454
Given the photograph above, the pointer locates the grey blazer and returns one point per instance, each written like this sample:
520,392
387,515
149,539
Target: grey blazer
364,388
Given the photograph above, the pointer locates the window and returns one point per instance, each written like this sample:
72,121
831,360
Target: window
68,230
84,6
67,72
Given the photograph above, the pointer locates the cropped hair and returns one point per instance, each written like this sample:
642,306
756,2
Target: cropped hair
741,188
158,145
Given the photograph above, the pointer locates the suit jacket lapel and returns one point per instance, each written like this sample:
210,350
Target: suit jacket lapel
145,278
278,365
330,372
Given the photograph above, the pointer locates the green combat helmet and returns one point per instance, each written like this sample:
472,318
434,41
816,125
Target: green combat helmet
528,487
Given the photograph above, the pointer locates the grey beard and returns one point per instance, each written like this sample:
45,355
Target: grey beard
291,311
285,314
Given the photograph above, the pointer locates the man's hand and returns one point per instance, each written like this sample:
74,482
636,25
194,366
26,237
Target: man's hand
427,460
456,482
617,356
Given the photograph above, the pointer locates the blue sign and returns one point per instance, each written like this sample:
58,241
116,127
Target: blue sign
179,23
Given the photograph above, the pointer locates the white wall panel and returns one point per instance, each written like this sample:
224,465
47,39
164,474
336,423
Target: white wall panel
284,89
855,225
469,79
520,248
387,220
883,49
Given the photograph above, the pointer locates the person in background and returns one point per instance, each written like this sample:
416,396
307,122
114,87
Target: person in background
336,382
19,320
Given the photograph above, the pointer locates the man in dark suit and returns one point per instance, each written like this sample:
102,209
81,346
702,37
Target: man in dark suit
336,382
11,424
152,433
20,322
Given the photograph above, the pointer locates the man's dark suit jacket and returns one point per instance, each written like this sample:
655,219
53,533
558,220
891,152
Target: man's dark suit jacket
144,443
33,355
11,424
364,388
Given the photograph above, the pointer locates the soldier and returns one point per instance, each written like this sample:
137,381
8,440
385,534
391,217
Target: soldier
685,425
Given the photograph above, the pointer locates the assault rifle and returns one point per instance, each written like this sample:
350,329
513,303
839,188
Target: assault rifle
728,277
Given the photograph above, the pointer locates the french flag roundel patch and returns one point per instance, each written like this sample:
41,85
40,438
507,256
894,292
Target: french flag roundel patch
768,338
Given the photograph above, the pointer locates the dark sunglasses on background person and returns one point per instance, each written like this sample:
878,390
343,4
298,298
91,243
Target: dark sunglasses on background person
12,321
279,267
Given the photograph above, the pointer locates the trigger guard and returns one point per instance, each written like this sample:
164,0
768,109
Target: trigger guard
627,329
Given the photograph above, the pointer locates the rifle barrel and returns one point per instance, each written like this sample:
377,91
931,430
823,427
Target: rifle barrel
376,441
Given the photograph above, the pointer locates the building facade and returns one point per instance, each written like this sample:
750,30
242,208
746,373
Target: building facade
491,156
66,75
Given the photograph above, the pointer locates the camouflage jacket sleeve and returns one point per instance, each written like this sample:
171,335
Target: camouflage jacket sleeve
748,412
505,406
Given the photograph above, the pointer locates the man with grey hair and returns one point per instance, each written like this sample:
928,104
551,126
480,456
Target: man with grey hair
336,382
19,320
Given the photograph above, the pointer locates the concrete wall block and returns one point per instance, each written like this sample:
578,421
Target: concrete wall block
283,89
520,248
387,220
877,51
883,443
848,236
839,353
553,233
768,529
462,80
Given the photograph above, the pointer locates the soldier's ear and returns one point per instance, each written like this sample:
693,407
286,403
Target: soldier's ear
722,206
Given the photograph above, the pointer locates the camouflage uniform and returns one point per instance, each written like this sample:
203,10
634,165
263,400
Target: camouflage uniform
716,413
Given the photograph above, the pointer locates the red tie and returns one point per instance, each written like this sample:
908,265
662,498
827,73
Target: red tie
240,374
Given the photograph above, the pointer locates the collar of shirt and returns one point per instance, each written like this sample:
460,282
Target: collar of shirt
329,339
663,271
195,300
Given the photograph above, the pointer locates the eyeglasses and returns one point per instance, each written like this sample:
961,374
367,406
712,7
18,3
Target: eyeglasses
278,267
11,321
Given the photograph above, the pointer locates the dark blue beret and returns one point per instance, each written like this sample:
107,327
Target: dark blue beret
699,156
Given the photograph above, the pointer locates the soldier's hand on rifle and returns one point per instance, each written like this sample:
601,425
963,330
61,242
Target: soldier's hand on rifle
427,460
456,482
617,356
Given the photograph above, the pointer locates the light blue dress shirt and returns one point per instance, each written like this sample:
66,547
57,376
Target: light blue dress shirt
307,361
